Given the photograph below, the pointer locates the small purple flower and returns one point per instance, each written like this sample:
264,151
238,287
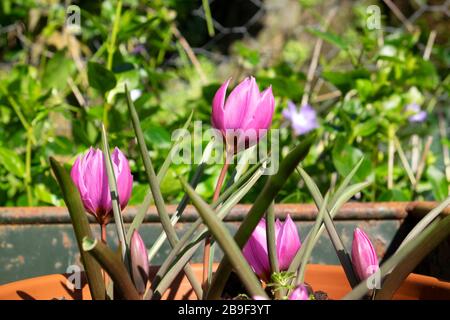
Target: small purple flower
302,121
139,49
417,115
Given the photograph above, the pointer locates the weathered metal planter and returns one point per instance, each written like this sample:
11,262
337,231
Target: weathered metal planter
40,241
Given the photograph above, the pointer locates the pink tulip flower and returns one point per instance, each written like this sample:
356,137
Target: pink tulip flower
287,245
364,257
90,177
244,117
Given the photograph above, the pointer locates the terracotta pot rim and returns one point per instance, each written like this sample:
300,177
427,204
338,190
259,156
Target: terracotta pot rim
322,277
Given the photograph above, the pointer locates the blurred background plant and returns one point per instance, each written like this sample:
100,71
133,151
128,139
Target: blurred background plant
58,82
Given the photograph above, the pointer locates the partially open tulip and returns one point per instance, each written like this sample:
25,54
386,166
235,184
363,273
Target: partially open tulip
303,120
139,262
244,117
299,293
287,245
364,257
90,177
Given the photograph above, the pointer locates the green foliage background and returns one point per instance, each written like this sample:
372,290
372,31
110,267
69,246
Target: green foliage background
56,87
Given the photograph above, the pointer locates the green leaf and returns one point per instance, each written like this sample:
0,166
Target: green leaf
394,195
156,191
158,136
346,157
57,70
439,184
270,190
178,212
405,260
425,221
100,78
137,221
309,245
329,37
113,265
366,128
81,228
338,245
12,163
43,194
112,183
345,81
271,239
339,199
235,195
250,55
343,186
226,242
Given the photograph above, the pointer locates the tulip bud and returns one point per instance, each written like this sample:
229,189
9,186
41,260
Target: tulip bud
364,257
287,245
245,116
302,121
139,262
91,179
299,293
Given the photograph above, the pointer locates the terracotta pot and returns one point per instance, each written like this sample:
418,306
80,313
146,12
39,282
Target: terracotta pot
40,240
327,278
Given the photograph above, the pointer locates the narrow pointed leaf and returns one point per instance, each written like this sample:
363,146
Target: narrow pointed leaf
139,218
112,182
346,195
156,192
271,238
113,265
180,208
81,228
309,245
338,245
225,240
271,189
395,278
185,250
407,258
347,180
425,221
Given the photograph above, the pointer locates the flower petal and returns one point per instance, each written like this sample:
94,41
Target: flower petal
364,257
236,105
288,243
217,117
